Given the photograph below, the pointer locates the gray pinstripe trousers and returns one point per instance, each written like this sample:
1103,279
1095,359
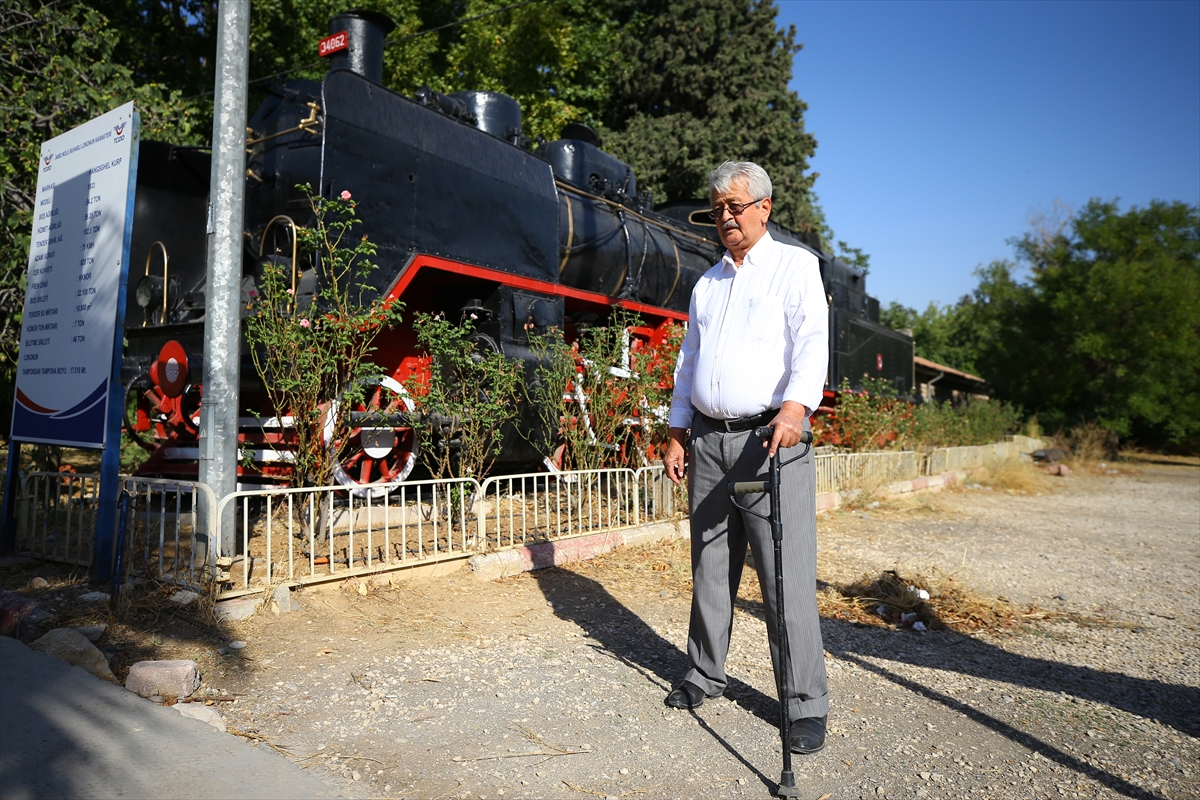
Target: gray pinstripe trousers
720,533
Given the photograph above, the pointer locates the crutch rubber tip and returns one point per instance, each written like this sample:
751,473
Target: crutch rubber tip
787,785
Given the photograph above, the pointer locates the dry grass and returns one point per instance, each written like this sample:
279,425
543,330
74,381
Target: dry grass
665,565
1016,477
886,599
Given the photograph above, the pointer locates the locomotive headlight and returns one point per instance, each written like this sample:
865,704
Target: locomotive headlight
149,291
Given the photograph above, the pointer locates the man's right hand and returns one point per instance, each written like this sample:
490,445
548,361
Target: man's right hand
676,450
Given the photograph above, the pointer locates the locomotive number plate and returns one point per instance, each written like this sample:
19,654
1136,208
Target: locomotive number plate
333,43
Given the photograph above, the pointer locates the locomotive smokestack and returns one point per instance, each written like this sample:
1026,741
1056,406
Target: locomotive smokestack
365,31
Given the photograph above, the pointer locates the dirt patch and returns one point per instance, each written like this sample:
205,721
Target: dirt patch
550,684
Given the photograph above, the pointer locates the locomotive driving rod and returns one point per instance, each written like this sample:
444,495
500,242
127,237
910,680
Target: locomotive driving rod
770,487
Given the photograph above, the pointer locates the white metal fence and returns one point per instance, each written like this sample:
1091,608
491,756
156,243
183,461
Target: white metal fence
298,536
56,516
316,534
170,533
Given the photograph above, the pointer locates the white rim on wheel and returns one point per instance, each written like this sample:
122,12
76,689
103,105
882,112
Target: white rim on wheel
376,444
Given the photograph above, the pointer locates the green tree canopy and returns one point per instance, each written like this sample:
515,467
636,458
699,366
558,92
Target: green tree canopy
1107,325
697,82
945,334
57,71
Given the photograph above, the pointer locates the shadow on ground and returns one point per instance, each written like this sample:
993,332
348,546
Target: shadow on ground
628,638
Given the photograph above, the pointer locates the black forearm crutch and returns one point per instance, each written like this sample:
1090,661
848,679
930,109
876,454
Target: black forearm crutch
787,781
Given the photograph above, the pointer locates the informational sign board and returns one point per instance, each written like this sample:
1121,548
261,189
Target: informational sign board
75,284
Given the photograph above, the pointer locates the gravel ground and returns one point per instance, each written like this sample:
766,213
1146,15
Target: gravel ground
551,684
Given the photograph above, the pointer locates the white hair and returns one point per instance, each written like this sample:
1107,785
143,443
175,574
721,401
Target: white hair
758,183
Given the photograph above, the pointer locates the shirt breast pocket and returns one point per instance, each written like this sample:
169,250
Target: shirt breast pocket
764,318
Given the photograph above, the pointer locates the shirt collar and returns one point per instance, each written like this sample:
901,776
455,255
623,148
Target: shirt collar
755,255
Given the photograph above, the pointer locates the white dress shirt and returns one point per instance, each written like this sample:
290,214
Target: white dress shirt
757,335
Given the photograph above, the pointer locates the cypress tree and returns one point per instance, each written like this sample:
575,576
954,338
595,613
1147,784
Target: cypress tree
701,81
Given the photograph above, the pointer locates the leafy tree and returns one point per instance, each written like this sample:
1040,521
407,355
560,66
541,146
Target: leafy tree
700,81
945,334
57,71
1107,326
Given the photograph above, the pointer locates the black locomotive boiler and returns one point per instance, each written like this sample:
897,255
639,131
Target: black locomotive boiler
467,215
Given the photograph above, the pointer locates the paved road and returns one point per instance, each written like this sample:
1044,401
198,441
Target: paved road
65,733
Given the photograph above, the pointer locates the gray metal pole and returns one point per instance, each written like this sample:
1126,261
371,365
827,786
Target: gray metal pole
222,320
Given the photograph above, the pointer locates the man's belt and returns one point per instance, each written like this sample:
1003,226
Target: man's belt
739,424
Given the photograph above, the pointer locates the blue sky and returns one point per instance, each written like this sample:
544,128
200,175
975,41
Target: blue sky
942,127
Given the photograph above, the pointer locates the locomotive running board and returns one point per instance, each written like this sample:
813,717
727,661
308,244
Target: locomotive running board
419,261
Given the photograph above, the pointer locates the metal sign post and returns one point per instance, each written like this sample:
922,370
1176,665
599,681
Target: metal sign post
68,389
222,320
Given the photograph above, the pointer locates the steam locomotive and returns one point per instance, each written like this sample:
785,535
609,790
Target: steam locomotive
468,215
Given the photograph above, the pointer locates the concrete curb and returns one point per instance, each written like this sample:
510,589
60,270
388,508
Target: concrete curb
505,563
828,501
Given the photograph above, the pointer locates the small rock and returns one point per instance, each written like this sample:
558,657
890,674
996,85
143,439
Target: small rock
178,678
1008,698
21,617
919,626
924,775
71,646
356,776
237,644
237,609
1062,597
283,599
93,632
624,771
39,583
201,712
184,598
95,597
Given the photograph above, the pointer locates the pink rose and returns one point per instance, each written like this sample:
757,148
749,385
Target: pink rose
346,194
305,323
291,291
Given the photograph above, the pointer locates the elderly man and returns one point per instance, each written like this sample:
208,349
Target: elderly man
755,354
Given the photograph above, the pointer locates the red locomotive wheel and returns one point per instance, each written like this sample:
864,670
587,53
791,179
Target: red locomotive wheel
375,459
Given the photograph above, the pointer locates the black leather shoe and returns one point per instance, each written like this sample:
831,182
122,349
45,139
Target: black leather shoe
687,695
807,735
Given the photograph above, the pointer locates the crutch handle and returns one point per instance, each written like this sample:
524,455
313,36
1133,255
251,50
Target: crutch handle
738,488
767,431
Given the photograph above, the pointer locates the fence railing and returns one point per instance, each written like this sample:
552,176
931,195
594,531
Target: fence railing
170,533
56,517
309,535
839,471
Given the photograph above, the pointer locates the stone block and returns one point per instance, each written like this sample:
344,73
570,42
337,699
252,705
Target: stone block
71,646
238,608
283,599
184,598
177,678
93,632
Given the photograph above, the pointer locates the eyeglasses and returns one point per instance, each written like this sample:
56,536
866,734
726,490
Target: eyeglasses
734,209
